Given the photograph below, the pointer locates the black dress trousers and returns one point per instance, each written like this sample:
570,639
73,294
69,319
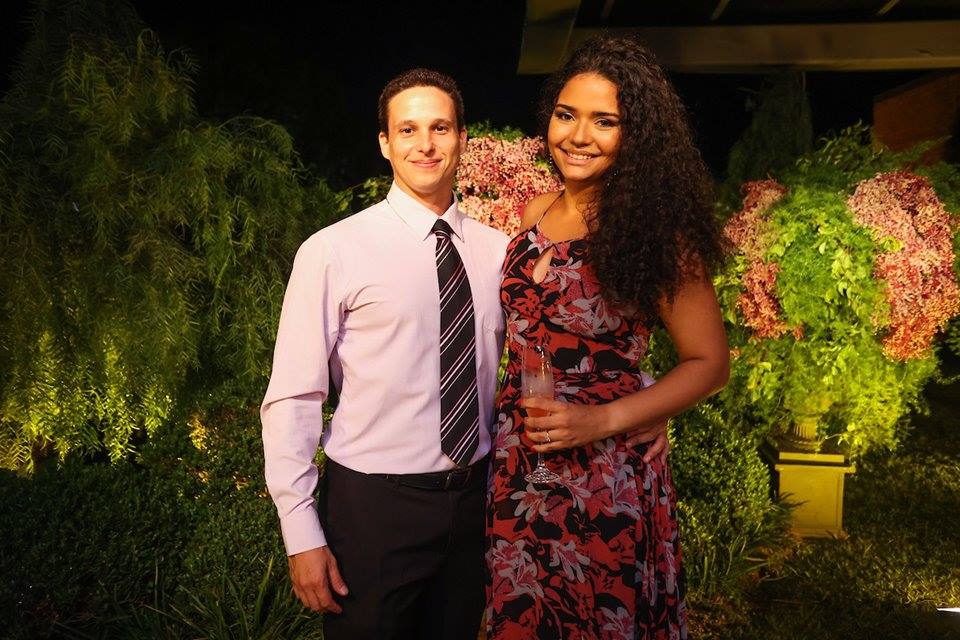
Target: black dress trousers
412,558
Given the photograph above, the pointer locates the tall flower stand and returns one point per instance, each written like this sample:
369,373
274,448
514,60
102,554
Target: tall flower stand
810,476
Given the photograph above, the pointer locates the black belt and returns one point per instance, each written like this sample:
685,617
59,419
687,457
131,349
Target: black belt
452,480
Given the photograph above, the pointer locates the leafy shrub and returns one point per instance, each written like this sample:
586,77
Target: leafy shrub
220,612
780,130
238,533
141,243
80,538
729,523
147,250
830,313
89,539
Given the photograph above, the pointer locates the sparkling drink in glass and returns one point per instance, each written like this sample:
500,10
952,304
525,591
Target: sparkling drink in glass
536,381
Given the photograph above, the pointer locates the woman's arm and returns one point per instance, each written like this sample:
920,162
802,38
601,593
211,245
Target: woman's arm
695,325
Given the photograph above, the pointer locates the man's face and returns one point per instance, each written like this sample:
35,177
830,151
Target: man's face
422,142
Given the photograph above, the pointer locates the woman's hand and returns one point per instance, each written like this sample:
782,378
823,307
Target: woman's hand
574,425
567,425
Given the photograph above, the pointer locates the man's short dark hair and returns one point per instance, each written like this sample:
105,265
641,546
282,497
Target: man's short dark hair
420,78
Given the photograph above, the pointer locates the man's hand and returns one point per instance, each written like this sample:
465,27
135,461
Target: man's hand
659,446
313,573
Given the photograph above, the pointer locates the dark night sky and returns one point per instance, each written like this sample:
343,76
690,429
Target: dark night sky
317,68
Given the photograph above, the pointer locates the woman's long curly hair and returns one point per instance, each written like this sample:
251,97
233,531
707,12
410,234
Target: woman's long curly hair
653,226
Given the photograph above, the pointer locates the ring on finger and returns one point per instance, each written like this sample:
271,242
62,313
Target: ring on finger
547,434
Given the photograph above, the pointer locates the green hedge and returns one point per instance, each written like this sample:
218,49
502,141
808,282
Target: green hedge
239,531
90,541
729,523
728,519
81,538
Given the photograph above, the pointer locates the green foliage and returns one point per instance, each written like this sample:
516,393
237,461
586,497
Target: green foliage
139,246
144,254
841,161
945,178
239,533
834,368
946,182
373,190
951,336
729,523
190,509
728,520
220,612
899,558
226,613
781,130
842,158
79,538
54,26
661,355
485,129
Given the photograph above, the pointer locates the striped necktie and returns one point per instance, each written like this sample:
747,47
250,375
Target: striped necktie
459,408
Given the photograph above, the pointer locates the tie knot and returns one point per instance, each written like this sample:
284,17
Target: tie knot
441,228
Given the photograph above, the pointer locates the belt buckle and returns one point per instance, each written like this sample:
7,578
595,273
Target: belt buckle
454,475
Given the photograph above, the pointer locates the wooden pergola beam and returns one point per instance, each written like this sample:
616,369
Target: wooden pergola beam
761,48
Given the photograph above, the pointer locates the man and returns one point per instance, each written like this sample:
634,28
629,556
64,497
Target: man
399,305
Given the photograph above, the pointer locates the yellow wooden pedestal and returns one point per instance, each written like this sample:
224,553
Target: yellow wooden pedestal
814,481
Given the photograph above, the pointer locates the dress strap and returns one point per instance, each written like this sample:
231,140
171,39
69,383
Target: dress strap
544,212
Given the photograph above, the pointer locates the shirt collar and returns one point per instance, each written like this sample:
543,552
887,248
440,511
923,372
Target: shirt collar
421,219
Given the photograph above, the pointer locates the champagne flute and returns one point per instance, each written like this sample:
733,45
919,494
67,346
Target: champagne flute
536,381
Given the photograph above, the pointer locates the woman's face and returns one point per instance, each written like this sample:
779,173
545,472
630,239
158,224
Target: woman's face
584,130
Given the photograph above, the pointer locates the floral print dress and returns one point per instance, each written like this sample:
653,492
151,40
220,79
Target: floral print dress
595,555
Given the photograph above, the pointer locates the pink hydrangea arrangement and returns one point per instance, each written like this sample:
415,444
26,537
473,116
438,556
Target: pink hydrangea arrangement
835,294
917,267
914,264
496,178
758,302
743,230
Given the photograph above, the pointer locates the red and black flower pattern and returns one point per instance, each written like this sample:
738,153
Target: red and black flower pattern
595,555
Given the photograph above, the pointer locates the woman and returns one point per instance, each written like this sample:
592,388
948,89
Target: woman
630,241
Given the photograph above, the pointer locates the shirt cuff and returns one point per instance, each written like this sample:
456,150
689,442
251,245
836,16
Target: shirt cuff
301,531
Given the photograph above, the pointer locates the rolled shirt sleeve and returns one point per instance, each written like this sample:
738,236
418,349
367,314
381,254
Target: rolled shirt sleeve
292,409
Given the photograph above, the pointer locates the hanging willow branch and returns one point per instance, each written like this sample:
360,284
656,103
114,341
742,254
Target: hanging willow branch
140,246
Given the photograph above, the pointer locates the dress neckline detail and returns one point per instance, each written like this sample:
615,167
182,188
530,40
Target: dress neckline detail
540,233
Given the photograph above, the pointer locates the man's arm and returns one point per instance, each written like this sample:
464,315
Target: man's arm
292,417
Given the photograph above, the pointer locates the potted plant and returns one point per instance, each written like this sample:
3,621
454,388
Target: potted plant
842,273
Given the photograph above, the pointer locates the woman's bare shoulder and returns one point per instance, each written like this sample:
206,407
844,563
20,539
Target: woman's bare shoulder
535,208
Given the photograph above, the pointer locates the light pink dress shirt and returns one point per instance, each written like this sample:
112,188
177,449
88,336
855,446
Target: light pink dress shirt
362,305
